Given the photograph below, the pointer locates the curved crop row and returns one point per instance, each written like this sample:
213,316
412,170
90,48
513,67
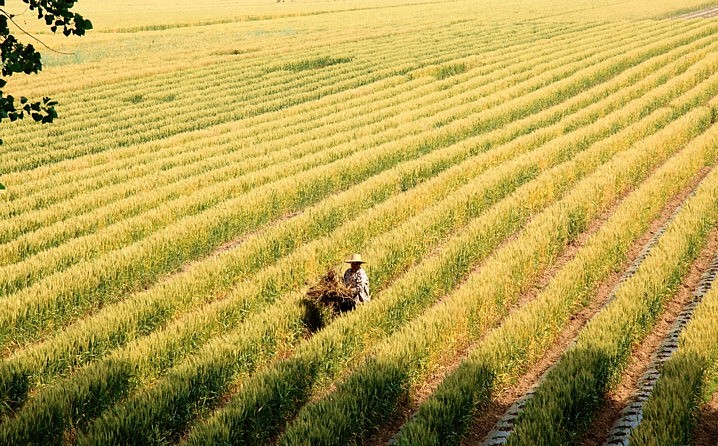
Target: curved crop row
686,380
23,245
451,210
332,349
562,406
526,333
481,301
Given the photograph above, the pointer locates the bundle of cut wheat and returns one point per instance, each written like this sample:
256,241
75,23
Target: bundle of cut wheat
331,292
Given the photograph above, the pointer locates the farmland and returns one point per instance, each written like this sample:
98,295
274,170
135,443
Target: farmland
533,185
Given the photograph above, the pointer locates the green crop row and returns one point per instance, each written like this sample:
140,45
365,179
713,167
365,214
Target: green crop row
525,335
567,399
483,300
687,379
334,348
143,260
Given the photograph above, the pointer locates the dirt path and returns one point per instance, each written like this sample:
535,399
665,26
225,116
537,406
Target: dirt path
643,354
504,399
706,432
451,361
498,406
703,14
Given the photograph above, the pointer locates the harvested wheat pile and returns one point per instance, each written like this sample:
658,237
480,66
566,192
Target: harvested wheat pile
331,292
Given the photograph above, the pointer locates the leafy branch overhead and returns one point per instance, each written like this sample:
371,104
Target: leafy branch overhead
24,58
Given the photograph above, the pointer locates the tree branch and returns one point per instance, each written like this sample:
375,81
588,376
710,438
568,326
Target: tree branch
10,17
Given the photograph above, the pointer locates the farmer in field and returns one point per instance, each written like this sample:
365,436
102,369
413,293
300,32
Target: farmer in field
356,279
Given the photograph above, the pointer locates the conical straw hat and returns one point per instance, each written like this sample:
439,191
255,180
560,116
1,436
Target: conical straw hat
356,258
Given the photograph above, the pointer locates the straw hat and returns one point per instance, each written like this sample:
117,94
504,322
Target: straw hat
356,258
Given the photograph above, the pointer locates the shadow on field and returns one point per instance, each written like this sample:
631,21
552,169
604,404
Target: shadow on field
706,431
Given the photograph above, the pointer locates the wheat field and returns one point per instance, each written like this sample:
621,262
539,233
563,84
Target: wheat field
532,183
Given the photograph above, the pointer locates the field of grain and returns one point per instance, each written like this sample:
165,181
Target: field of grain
533,185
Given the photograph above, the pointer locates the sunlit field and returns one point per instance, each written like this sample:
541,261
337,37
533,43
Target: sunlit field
532,183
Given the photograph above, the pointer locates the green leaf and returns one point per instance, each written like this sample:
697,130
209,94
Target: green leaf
2,187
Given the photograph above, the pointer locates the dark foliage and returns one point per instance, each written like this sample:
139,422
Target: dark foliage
18,57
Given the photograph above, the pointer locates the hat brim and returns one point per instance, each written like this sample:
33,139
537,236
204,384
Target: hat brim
354,261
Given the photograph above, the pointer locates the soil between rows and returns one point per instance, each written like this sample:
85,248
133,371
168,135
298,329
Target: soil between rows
452,360
505,398
706,432
643,353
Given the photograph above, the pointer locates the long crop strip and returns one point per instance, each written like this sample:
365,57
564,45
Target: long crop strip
176,254
156,242
54,349
399,301
605,343
155,356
